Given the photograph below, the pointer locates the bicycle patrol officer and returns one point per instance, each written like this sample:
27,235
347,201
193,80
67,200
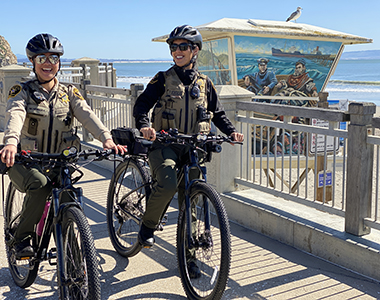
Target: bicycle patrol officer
40,114
183,99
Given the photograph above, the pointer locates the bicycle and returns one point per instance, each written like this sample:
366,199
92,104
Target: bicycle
74,253
202,224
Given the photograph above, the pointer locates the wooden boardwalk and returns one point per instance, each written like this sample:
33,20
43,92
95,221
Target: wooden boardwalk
261,268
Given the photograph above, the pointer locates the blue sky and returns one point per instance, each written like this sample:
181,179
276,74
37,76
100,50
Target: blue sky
119,29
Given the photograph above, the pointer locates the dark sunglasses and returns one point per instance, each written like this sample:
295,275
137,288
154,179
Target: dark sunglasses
182,47
41,59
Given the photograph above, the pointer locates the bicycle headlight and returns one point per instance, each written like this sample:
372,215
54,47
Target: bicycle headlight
201,137
70,151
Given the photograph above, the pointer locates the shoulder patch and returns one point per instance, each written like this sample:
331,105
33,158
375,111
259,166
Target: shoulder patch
77,93
154,79
14,91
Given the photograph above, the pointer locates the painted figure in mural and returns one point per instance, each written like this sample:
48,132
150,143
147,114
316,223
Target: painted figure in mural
299,83
223,76
263,81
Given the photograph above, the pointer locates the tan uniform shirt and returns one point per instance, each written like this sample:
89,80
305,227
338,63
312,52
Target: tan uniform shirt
42,121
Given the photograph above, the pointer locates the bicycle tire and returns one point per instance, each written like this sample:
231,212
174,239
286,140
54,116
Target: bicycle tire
213,253
126,202
24,272
81,270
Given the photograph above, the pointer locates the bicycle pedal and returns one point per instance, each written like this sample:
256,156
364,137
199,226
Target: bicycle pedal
162,222
52,254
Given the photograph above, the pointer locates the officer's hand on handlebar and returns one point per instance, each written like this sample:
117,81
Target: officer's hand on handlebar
109,144
237,137
8,155
148,133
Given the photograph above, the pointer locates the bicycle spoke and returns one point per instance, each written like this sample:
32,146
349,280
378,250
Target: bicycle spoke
126,206
209,248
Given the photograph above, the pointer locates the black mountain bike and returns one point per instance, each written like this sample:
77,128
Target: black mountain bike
202,226
74,252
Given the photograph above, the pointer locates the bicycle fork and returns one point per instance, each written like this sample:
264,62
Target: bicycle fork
58,211
195,241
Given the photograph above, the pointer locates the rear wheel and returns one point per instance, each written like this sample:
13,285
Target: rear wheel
209,247
24,272
81,274
126,202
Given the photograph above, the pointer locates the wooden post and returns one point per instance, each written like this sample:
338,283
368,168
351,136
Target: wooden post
359,168
324,193
136,89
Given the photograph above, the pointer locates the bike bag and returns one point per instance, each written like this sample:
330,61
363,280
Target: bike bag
127,136
3,167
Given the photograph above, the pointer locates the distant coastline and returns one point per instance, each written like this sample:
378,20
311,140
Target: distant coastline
22,58
122,61
365,54
351,55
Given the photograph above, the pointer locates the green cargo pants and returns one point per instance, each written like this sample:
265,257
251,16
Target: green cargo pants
37,187
163,162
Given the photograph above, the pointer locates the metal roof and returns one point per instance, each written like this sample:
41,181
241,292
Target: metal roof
265,28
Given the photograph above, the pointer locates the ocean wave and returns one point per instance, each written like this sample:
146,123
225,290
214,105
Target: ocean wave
127,78
354,89
354,82
125,82
142,61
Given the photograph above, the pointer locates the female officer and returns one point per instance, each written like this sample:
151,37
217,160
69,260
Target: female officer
183,99
39,118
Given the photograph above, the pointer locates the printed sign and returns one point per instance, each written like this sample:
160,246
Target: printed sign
319,141
328,179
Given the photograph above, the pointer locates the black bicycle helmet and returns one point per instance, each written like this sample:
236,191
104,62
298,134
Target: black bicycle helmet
43,43
188,33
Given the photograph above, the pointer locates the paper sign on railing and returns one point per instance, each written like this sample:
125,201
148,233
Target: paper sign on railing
318,141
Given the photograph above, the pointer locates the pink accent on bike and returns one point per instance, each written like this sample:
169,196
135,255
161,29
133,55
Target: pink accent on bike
41,223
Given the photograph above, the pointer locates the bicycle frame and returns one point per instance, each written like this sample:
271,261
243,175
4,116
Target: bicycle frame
56,214
58,208
184,173
53,222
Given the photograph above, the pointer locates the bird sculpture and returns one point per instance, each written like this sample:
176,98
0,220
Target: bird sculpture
295,15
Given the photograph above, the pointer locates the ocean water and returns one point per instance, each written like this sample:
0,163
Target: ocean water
137,72
357,80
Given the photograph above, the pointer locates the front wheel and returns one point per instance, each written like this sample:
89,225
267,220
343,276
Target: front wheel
209,245
24,272
81,274
126,202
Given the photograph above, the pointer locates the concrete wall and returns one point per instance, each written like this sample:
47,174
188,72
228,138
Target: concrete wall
9,76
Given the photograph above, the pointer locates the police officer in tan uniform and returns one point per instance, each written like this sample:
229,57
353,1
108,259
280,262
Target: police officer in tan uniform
40,115
183,99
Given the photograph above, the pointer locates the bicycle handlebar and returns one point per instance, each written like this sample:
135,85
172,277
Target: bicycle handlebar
195,139
66,155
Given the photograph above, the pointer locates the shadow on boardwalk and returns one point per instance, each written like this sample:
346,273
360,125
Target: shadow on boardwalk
261,268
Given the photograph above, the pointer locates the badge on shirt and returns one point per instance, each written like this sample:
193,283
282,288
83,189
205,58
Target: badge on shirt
64,98
201,84
77,93
14,91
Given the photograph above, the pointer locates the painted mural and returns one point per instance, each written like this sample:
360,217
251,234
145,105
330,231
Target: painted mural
213,61
283,67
